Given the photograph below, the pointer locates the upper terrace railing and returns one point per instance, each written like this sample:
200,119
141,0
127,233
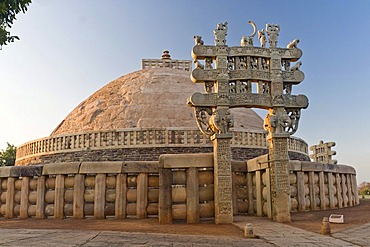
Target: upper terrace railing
134,138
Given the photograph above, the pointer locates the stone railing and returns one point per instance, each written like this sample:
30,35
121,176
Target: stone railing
136,138
317,186
178,187
166,63
313,186
79,190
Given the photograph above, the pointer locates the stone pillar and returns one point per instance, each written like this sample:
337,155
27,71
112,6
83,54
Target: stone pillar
222,179
59,197
268,192
78,196
250,193
142,195
24,197
322,190
301,192
276,123
312,186
339,190
350,190
280,186
40,201
331,190
192,195
165,196
259,193
9,206
354,186
121,198
99,196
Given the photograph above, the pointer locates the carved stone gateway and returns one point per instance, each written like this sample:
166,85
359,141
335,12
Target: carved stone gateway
248,76
322,153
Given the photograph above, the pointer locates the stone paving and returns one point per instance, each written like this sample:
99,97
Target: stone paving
358,235
279,234
64,238
269,234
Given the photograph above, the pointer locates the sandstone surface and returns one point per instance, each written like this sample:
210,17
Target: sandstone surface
148,98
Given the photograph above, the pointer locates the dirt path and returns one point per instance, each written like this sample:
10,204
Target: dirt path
353,216
128,225
311,221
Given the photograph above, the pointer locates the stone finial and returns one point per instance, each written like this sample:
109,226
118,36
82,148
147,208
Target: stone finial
166,55
220,34
273,34
322,153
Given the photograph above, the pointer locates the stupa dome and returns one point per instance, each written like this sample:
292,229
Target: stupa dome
148,98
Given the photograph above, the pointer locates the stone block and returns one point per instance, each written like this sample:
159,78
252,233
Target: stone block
295,165
330,168
257,163
346,169
5,172
312,166
26,171
238,166
101,167
140,166
186,160
61,168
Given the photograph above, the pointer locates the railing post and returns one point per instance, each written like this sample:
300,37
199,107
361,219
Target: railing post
99,197
331,192
121,198
165,196
59,197
78,196
40,201
9,207
24,197
301,191
142,195
192,195
322,190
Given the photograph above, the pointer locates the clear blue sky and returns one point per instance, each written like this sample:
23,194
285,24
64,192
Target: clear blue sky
69,49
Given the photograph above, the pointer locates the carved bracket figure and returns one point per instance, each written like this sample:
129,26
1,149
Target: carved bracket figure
202,115
221,121
208,86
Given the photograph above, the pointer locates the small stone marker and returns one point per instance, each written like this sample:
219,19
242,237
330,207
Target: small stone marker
336,218
248,231
325,226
